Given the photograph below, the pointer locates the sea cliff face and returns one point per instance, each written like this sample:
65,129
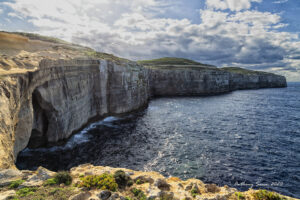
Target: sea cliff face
194,80
181,81
47,105
245,79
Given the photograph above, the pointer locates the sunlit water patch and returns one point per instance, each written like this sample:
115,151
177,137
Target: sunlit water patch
241,139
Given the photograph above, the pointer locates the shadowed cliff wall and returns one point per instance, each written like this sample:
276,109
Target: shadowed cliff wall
66,95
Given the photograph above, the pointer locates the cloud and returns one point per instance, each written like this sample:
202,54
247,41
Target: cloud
233,5
281,1
132,29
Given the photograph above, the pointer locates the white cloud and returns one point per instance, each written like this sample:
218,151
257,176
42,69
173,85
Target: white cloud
246,38
12,14
281,1
233,5
1,11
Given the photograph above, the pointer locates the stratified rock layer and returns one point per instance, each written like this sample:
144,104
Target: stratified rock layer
196,80
60,97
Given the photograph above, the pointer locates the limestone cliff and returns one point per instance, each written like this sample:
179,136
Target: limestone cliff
174,80
247,79
49,104
49,90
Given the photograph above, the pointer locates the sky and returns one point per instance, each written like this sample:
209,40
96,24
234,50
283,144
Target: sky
254,34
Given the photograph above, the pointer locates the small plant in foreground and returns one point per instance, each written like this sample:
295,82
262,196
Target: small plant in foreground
267,195
130,183
81,176
139,194
15,184
104,182
63,177
59,178
26,191
240,196
55,190
194,192
122,179
139,182
50,181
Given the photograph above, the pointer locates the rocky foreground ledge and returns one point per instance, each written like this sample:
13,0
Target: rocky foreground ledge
88,182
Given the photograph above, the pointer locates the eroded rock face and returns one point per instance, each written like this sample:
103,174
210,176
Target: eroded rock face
252,81
41,107
48,105
182,81
189,81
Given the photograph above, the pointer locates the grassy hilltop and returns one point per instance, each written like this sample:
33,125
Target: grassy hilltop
172,61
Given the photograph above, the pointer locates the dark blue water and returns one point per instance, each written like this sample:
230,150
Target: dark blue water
241,139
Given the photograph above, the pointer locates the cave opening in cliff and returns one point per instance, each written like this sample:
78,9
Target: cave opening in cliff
38,136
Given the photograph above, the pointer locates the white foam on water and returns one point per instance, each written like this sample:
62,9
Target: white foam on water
111,119
79,138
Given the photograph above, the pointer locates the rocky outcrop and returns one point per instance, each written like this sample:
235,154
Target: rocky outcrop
87,183
48,104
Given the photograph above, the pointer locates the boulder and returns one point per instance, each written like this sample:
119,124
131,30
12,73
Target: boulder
212,188
105,194
38,178
114,196
166,195
144,179
162,184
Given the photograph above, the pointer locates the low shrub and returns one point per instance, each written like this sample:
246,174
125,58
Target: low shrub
139,194
59,178
194,192
122,179
63,177
104,182
240,196
15,184
139,181
26,191
130,183
55,190
50,181
267,195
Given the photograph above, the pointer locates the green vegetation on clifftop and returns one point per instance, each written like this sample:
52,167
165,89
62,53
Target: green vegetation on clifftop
171,61
239,70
